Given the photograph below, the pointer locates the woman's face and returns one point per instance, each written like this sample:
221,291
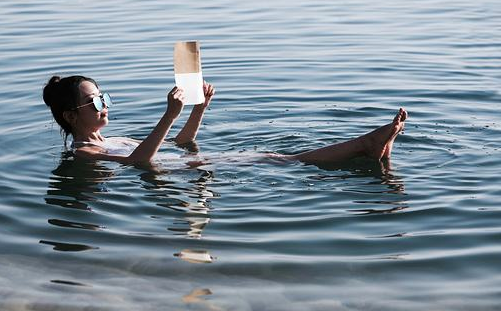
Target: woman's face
88,117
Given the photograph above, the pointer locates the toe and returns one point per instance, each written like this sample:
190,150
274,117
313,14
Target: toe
401,116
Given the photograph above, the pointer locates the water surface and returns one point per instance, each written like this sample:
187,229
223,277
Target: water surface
421,232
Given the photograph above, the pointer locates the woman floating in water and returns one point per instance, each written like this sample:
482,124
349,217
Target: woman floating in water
81,110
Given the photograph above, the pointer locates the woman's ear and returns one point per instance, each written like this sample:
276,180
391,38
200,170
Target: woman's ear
70,117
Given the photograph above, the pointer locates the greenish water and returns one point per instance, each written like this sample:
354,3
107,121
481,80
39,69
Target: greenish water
422,233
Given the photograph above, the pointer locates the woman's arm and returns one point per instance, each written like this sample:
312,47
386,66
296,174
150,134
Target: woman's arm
189,131
148,147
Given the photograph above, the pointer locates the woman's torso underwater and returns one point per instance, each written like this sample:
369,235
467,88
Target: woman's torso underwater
169,155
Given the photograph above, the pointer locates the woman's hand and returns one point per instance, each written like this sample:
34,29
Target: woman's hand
209,92
189,131
175,101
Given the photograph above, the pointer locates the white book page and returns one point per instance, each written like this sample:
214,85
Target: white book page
193,86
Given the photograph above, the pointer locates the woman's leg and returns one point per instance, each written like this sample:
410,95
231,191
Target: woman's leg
376,145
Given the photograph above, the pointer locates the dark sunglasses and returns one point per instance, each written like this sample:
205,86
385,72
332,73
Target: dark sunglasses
100,102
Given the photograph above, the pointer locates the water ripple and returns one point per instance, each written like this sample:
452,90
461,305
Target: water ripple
290,76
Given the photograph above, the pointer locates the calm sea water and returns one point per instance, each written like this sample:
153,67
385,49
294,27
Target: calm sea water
422,233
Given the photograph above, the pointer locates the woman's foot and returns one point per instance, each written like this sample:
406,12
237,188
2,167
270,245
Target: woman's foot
379,143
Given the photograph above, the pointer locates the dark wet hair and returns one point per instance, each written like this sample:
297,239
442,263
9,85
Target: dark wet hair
63,94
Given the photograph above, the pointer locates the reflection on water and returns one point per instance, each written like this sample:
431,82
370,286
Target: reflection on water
194,204
368,211
382,174
73,184
197,214
191,226
75,180
68,247
63,282
291,76
77,183
396,235
363,167
195,256
392,257
71,224
196,296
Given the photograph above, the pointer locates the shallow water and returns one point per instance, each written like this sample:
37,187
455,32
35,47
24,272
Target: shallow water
419,233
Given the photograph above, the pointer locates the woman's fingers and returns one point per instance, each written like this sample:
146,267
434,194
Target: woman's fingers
208,89
177,93
174,90
175,102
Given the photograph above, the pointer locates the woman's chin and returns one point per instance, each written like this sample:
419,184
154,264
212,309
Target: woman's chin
102,123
